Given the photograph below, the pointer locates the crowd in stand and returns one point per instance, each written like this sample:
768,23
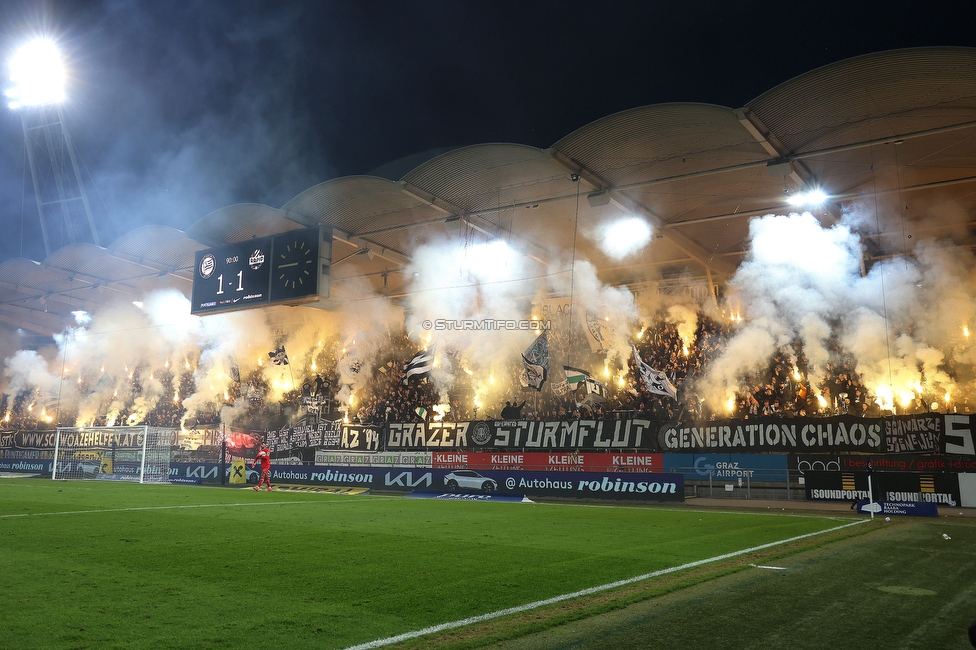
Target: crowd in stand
782,389
382,394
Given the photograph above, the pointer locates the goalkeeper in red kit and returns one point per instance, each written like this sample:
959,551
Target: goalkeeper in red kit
264,456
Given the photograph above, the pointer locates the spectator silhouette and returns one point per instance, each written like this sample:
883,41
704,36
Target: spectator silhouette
512,412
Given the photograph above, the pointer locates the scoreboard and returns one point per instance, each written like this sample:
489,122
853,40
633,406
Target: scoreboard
290,267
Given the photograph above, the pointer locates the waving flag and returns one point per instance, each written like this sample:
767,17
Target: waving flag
420,365
588,390
536,362
654,380
574,376
278,356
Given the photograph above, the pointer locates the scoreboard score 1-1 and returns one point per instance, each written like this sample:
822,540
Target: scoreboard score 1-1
290,267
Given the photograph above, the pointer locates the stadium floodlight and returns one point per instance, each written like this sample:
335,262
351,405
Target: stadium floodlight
812,199
492,260
624,237
38,75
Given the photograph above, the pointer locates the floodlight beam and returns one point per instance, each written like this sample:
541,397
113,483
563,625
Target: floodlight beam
812,198
38,75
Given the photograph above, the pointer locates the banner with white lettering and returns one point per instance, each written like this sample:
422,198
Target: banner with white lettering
324,434
569,435
43,440
959,439
914,433
577,485
844,433
589,485
768,468
552,462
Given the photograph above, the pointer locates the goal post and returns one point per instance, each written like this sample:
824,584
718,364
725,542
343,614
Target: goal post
139,454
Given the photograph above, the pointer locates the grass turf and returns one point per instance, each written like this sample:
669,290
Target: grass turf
900,585
120,565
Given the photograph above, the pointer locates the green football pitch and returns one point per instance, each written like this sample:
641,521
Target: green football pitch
105,565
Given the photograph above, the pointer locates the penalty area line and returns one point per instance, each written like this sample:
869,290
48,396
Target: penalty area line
406,636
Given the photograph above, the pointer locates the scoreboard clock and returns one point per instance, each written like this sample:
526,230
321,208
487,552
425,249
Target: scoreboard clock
290,267
294,265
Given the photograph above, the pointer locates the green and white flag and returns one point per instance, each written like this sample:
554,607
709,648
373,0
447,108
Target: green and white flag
574,376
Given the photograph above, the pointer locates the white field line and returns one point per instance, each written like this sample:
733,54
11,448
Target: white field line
721,511
185,507
406,636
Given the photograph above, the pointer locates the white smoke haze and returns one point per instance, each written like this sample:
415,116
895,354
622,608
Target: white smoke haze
794,281
125,345
366,326
615,305
685,320
904,325
28,370
802,280
470,281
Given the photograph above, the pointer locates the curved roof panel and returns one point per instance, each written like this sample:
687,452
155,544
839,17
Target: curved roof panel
661,141
489,176
872,96
240,222
357,204
161,246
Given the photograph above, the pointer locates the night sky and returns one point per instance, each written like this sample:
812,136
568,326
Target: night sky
180,108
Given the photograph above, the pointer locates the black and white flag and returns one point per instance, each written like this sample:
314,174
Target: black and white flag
536,362
278,356
420,365
233,370
654,380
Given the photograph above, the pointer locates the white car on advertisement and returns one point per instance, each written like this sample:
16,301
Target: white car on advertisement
469,480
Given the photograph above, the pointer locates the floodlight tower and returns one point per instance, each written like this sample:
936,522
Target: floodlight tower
37,92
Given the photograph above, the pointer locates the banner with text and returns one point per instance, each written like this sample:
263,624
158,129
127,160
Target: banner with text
941,489
325,434
880,462
568,435
843,433
770,468
541,461
374,459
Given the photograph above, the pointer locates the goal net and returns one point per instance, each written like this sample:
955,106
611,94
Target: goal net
138,454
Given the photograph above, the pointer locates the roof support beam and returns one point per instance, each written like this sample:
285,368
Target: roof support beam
379,250
801,156
475,220
799,172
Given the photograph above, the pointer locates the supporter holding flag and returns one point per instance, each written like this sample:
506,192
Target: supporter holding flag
654,380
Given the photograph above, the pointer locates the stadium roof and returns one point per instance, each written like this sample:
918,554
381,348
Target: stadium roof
895,130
